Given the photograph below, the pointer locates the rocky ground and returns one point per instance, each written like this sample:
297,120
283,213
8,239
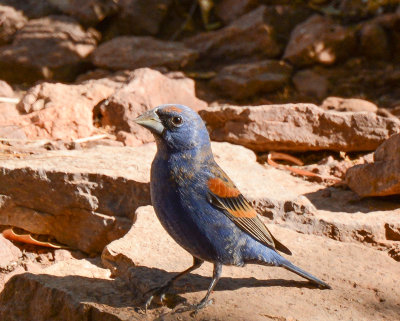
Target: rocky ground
302,102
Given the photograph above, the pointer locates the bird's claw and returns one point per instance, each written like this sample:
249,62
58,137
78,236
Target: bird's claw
196,307
156,292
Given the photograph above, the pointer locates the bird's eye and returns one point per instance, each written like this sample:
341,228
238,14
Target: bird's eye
177,121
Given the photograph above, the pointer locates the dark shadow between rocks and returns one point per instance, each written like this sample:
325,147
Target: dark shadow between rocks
339,200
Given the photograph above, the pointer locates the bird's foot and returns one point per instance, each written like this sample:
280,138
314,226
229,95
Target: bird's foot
158,292
196,307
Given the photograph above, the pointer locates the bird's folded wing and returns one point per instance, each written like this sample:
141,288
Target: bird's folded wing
224,195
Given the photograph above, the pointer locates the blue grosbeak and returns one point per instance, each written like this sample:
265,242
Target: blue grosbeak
199,206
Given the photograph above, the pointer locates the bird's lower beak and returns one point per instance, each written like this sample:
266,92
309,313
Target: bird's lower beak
151,121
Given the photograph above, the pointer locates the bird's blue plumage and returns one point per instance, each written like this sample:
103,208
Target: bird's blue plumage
197,203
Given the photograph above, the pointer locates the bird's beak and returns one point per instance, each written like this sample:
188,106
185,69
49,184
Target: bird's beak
151,121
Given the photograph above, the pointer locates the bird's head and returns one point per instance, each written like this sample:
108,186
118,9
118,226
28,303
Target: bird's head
175,127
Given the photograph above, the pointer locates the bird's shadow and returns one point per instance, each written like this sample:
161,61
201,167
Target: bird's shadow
112,294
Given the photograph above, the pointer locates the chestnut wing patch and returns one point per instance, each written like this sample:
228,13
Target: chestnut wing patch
224,195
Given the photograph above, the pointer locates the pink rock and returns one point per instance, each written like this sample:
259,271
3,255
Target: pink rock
54,47
147,89
319,40
245,80
297,127
137,52
59,111
348,104
11,21
382,177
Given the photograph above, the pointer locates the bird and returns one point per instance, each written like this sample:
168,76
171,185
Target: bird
199,205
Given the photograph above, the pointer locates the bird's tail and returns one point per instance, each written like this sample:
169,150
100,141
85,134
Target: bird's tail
293,268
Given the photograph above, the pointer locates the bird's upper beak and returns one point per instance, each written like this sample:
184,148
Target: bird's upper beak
151,121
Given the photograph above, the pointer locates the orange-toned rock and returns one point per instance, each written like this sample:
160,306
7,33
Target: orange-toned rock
146,89
60,111
348,104
382,177
245,80
54,47
128,52
11,21
319,40
298,127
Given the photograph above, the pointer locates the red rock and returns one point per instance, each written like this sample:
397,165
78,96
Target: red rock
9,254
8,111
245,80
83,198
60,111
54,47
136,52
87,12
230,10
374,42
11,21
147,89
297,127
249,36
382,177
348,104
319,40
311,84
141,17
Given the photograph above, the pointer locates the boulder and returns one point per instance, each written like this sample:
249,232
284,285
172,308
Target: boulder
128,52
54,47
382,177
374,42
9,254
60,111
8,111
32,9
11,21
319,40
311,84
83,198
88,13
261,33
241,81
348,104
147,16
297,127
146,89
74,290
230,10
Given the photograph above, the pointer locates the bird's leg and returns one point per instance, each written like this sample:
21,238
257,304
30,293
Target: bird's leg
161,291
205,302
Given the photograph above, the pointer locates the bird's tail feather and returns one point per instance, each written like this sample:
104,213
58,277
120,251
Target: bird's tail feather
293,268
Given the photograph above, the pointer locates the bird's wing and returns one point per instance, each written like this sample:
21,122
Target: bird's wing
225,195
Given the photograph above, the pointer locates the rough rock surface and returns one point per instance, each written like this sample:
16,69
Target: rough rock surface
319,40
11,21
245,80
87,12
146,14
83,198
310,84
60,111
382,177
247,36
230,10
9,254
298,127
146,89
348,104
8,111
146,257
128,52
54,47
